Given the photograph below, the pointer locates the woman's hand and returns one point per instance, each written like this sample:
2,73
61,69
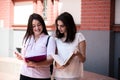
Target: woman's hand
58,66
77,52
31,64
19,56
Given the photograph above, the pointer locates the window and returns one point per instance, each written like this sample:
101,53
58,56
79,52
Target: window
117,12
22,10
45,9
115,17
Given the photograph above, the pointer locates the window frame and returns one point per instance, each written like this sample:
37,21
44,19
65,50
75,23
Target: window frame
24,27
113,26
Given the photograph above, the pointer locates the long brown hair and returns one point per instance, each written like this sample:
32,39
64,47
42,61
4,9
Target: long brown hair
29,31
69,23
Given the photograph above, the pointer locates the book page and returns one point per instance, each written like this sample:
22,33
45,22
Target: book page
58,59
68,58
62,60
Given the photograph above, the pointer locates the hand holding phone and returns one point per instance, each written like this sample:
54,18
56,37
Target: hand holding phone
18,54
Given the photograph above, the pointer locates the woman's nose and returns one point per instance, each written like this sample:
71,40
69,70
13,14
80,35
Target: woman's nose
58,27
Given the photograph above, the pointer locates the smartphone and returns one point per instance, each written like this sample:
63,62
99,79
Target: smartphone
18,49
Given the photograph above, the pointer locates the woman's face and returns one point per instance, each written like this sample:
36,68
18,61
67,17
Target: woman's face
37,27
61,27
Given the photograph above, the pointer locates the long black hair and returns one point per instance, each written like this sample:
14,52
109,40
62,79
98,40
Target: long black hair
69,23
29,31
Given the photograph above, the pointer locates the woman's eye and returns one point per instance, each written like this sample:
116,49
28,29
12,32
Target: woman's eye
60,25
39,25
33,26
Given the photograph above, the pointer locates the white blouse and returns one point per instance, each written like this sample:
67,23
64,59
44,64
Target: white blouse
75,69
32,48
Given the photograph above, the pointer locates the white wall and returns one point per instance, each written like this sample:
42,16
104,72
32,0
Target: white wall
18,38
9,40
5,40
72,6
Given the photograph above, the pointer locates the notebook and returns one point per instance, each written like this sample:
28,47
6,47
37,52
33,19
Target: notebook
36,58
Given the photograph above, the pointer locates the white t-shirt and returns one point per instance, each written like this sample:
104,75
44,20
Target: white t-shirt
75,69
32,48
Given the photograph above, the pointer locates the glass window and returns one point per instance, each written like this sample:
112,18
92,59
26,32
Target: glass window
45,9
22,10
117,12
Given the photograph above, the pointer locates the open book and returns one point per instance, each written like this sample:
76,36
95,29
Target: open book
62,60
36,58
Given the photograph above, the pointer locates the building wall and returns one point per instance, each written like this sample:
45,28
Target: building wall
96,25
95,14
6,10
97,53
6,42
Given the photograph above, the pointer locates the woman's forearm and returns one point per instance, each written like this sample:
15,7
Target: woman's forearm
82,51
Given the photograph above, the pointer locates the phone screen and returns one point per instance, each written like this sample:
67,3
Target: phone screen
18,49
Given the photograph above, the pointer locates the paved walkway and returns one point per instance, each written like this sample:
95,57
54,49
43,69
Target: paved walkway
88,76
7,76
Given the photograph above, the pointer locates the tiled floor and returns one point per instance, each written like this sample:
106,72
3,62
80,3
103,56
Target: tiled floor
10,68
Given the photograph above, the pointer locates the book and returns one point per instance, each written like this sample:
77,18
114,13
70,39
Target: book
36,58
62,60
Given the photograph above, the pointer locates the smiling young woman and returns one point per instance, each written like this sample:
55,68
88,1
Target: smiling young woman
34,46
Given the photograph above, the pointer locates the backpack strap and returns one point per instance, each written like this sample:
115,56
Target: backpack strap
51,66
47,40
